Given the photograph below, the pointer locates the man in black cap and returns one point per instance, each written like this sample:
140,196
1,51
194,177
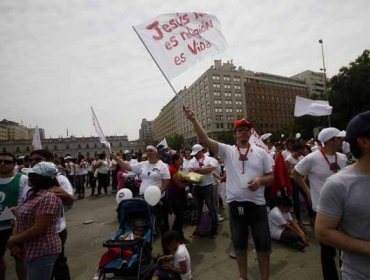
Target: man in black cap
343,213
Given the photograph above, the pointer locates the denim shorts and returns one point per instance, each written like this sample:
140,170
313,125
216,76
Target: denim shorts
244,215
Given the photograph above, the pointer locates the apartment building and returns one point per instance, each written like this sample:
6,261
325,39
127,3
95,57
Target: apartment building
15,131
165,123
217,97
3,133
314,82
146,130
270,101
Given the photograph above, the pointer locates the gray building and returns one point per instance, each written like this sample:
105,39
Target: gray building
314,82
87,146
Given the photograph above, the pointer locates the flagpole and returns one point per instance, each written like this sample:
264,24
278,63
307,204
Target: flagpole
160,69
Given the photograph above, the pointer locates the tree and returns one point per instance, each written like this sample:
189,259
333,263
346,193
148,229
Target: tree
175,142
349,92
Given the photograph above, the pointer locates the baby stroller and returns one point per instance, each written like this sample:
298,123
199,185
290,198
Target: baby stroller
129,250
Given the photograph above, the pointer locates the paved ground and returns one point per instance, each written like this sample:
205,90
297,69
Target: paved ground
208,256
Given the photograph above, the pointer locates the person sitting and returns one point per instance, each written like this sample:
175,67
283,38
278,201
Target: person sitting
175,264
282,226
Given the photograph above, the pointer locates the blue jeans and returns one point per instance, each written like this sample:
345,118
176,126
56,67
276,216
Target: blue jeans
40,268
205,193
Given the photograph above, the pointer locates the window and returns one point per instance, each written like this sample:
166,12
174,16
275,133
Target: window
238,110
229,110
217,101
237,87
228,94
236,79
228,102
227,86
55,147
216,85
226,78
215,77
17,150
218,110
67,147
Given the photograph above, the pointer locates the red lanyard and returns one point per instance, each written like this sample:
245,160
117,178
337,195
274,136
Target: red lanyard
332,165
244,157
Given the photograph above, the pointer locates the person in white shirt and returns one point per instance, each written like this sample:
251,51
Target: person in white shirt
187,159
175,263
284,228
204,191
320,165
153,172
102,167
248,171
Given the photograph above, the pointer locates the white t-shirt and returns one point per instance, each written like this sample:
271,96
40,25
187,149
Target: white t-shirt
186,165
151,174
257,165
293,161
208,178
103,168
318,170
132,162
286,153
276,221
181,255
66,186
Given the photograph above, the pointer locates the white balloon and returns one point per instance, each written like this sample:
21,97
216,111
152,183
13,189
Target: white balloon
123,194
282,135
152,195
298,135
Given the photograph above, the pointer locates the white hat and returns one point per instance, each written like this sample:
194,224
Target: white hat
196,149
328,133
342,134
127,152
152,148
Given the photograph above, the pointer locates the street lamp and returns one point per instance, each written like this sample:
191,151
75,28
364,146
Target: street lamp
324,71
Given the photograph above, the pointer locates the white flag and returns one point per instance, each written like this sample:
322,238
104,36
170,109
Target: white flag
180,40
256,140
163,143
304,106
36,140
99,130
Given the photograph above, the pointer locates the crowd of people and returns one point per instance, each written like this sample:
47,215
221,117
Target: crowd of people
264,188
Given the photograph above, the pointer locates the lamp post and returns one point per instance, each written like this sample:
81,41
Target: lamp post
324,71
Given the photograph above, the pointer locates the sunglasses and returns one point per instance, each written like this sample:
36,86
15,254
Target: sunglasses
243,128
6,161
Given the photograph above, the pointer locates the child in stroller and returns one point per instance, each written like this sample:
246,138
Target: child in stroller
129,250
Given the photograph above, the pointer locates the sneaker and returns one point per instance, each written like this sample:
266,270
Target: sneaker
232,254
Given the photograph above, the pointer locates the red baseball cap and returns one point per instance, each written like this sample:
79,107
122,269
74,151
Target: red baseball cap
242,122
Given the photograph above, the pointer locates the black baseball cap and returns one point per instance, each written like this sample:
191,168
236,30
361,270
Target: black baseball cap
358,126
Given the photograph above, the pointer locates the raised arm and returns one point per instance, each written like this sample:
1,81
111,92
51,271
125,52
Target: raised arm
201,133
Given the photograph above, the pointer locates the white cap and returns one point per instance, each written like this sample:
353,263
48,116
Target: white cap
127,152
152,148
342,134
196,149
328,133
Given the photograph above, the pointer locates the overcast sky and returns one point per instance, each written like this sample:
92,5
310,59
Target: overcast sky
58,58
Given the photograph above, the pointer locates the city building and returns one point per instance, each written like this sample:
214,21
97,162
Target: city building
314,82
165,123
217,97
146,130
3,133
87,146
270,101
16,131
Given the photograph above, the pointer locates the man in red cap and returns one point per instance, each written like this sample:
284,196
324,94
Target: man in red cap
248,171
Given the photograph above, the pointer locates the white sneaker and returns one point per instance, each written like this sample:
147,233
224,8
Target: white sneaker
220,218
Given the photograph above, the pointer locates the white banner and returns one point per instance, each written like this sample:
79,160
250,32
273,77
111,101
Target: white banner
304,106
36,140
99,130
180,40
256,140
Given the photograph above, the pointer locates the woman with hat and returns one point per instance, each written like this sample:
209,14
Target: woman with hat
35,238
153,172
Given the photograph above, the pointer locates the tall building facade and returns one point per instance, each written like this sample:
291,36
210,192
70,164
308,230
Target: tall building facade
217,97
314,82
146,130
270,101
3,133
165,123
15,131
